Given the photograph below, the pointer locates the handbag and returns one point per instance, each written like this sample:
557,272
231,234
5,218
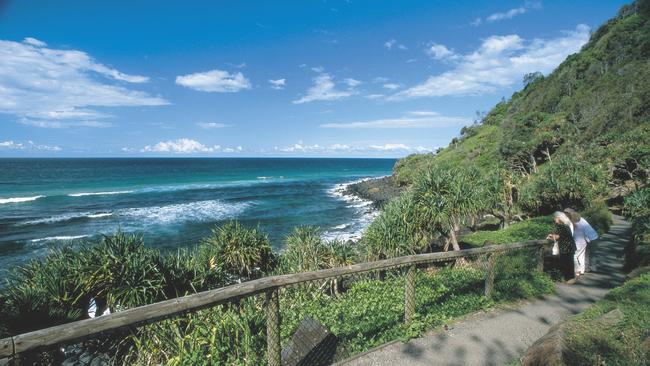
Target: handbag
556,248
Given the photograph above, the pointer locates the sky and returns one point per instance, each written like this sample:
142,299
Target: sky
356,78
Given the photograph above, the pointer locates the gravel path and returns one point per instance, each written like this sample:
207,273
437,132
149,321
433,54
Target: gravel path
501,336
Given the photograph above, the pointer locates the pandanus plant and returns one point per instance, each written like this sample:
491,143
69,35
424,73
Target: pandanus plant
445,198
305,250
499,194
243,252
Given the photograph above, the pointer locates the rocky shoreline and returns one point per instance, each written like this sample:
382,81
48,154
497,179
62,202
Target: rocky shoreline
378,190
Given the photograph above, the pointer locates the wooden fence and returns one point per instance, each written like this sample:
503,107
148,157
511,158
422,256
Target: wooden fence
270,286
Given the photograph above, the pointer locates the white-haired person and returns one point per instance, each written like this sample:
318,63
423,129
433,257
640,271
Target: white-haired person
563,235
583,235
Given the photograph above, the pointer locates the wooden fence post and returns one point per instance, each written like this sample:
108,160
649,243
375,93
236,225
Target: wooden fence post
489,276
540,258
409,294
273,345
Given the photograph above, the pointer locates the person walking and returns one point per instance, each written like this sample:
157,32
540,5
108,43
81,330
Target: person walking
563,235
583,234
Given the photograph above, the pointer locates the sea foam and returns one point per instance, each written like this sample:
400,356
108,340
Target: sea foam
19,199
83,194
66,217
365,211
52,238
199,211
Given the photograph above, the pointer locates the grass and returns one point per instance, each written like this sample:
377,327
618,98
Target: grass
627,342
531,229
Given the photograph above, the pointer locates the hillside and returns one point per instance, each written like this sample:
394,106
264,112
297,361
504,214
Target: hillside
594,108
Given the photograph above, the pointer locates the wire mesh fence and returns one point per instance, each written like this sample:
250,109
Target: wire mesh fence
317,322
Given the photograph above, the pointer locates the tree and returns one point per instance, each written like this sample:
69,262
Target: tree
500,194
532,77
444,199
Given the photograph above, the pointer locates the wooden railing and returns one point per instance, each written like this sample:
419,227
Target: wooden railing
88,328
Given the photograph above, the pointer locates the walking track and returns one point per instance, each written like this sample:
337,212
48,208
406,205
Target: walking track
502,336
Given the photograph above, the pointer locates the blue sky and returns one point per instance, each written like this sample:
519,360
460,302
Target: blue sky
260,78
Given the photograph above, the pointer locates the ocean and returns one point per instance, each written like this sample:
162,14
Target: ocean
174,202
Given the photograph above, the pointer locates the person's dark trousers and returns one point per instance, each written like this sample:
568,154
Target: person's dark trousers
566,266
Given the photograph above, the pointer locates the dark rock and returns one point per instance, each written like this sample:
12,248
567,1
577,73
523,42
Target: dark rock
547,350
311,344
379,191
638,272
611,318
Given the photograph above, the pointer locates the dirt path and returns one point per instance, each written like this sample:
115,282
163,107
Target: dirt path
501,336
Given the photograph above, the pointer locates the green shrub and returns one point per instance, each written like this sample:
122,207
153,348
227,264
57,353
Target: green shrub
305,250
121,271
532,229
599,217
240,251
223,335
392,233
564,182
43,293
516,278
637,209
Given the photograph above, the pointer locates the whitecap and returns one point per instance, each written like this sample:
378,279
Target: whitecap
52,238
99,215
83,194
19,199
66,217
199,211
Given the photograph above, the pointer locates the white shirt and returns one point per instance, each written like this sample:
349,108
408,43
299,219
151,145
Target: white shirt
579,232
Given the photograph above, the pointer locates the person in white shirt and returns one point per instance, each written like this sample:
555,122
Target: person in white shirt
583,234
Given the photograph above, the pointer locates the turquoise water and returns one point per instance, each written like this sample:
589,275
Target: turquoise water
174,202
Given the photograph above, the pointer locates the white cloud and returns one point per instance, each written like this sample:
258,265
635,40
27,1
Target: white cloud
375,96
42,83
393,43
440,52
339,148
391,86
185,146
508,14
30,145
416,119
64,124
211,125
34,42
12,145
277,84
324,89
352,82
181,146
218,81
500,61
